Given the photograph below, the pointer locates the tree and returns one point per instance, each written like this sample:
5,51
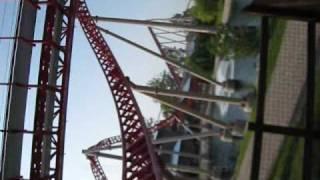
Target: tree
201,56
164,81
234,42
206,11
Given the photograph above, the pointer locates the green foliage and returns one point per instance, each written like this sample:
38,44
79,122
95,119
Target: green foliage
163,80
231,42
201,60
207,11
193,64
166,110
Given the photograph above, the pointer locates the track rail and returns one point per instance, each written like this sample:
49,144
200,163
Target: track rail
107,144
139,159
96,168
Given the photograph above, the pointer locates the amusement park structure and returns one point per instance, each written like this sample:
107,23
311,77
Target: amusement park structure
139,155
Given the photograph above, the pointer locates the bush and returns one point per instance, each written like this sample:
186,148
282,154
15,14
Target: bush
164,81
230,42
201,56
207,11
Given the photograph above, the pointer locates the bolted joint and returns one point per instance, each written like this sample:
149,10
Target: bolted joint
238,128
226,137
231,85
235,131
245,105
248,102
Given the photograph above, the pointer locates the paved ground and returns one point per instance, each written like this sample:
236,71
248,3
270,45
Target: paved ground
282,96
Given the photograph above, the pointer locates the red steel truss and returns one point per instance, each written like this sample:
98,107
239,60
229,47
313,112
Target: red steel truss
64,48
172,69
107,144
139,159
95,165
169,122
96,168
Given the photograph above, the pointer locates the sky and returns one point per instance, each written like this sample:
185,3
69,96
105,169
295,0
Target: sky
91,113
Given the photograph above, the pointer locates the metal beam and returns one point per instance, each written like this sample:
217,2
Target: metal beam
257,148
170,61
56,46
189,111
17,96
185,137
171,68
189,28
52,81
189,95
182,154
190,169
309,115
104,155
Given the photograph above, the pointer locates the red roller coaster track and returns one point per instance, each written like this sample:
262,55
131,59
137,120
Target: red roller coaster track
107,144
139,159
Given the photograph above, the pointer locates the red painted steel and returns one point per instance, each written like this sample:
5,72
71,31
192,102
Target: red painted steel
57,133
172,69
107,143
139,159
96,168
169,122
95,165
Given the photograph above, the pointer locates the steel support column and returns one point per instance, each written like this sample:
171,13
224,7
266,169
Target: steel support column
50,48
17,96
52,81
